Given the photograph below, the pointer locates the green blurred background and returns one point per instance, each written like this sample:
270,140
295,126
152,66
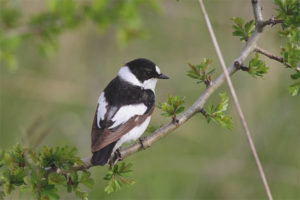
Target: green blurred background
198,160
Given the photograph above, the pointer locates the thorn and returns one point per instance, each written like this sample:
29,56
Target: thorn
203,112
175,121
237,64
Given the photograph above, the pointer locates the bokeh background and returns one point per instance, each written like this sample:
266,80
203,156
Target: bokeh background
58,95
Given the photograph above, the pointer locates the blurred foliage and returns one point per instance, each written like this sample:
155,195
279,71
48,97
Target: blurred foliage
257,67
117,176
294,89
289,12
152,128
61,15
172,107
41,171
200,72
217,113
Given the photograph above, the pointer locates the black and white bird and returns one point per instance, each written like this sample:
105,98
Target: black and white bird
124,108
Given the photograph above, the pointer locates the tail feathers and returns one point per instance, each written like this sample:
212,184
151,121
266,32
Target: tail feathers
101,157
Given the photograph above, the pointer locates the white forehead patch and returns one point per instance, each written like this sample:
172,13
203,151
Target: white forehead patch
157,69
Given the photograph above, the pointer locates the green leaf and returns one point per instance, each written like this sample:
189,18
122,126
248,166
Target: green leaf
172,107
241,30
217,113
257,67
199,72
291,54
296,75
294,89
55,178
249,26
179,110
118,176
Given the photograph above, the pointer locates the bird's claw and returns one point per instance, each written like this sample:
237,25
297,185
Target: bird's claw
117,157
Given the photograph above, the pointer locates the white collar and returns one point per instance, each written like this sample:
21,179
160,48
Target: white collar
126,75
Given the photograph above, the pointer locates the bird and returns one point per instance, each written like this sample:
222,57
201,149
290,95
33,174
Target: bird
124,108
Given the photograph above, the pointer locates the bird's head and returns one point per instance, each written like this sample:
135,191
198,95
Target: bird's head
141,72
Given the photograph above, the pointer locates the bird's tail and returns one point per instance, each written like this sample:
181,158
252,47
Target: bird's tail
101,157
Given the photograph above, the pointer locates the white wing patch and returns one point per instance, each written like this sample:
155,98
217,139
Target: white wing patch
101,108
126,112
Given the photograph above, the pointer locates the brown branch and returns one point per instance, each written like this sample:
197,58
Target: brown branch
240,66
272,21
273,57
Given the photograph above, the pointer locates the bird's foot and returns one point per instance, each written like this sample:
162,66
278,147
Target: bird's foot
141,140
117,157
118,154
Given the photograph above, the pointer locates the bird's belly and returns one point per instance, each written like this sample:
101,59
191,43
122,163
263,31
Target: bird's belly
133,134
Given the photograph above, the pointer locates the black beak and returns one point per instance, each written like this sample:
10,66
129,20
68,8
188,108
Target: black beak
162,76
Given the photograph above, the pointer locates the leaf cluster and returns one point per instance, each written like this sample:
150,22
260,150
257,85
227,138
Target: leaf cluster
289,12
42,171
244,31
217,113
117,176
62,15
200,71
172,107
257,67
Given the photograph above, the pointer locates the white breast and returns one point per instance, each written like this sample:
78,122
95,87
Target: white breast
133,135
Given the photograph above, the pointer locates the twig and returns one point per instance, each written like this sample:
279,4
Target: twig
258,16
260,23
273,57
272,21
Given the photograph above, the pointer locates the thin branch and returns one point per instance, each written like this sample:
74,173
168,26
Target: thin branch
273,57
260,23
272,21
258,17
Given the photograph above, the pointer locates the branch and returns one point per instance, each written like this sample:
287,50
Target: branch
272,21
257,11
273,57
260,23
258,18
